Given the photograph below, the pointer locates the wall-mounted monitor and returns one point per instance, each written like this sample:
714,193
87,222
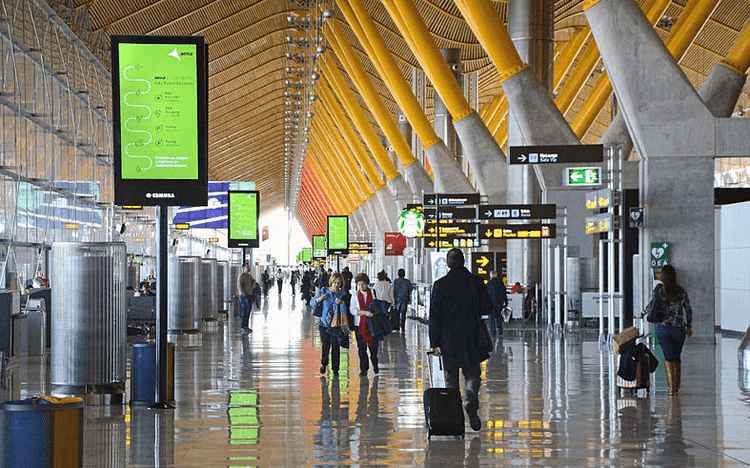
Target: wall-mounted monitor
160,97
338,235
244,208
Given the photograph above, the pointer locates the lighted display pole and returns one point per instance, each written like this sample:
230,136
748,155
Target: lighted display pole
159,103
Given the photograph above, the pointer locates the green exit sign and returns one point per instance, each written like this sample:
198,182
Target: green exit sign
582,176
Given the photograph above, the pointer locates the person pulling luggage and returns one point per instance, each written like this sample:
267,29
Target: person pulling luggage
457,302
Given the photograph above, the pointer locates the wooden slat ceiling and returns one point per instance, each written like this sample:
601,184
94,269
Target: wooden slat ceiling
247,47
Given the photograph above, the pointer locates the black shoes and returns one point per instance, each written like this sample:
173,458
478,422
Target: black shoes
376,369
246,329
474,421
322,369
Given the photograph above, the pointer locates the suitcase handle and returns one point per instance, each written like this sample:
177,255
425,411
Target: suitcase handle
440,358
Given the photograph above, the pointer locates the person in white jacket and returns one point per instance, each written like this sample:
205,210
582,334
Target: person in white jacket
383,289
280,279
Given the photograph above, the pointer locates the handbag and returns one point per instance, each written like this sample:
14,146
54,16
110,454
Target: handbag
484,340
653,311
318,309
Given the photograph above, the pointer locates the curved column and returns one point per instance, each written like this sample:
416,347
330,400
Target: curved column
485,157
447,172
676,135
372,98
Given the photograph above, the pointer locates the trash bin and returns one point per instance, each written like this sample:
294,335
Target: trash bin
143,373
42,432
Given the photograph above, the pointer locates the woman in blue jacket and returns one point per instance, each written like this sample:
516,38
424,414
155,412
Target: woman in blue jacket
333,299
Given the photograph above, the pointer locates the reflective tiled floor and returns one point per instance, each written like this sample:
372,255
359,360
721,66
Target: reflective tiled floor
547,399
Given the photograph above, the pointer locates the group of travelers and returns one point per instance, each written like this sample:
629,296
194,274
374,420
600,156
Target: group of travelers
458,301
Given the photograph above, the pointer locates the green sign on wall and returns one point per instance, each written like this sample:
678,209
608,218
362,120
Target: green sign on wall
338,235
243,218
659,254
582,176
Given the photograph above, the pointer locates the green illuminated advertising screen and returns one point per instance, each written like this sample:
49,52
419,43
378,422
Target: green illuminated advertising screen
338,235
159,97
319,246
307,254
244,207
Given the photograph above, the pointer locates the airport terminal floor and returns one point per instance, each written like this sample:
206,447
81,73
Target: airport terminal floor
547,399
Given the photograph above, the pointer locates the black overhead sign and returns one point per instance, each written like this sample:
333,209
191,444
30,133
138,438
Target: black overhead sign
450,199
561,154
518,231
449,213
359,248
455,230
447,243
517,211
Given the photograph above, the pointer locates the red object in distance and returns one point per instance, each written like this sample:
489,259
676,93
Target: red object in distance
395,243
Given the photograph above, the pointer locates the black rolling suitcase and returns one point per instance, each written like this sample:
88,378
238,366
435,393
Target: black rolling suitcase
443,412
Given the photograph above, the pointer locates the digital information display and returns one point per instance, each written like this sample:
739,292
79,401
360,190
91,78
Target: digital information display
307,254
338,235
244,207
319,246
159,93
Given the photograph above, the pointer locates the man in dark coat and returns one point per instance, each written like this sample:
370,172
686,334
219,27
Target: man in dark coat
496,290
458,301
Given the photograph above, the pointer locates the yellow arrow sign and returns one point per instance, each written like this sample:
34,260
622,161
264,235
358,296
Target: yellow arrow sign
483,261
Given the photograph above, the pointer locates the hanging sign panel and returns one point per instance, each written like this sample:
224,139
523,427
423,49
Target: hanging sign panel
547,211
159,97
307,254
244,207
559,154
338,235
518,231
319,246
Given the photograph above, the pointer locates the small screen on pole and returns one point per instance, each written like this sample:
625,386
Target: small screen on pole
319,246
160,120
243,218
306,254
338,235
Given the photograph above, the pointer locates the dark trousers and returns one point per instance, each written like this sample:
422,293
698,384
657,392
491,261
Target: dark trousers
280,282
473,378
246,302
496,320
362,348
671,340
293,284
329,345
401,306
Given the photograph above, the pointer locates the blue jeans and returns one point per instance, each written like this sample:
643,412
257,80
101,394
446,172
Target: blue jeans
671,340
401,306
246,303
473,378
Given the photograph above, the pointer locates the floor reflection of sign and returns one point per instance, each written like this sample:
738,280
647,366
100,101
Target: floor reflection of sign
636,217
519,231
547,211
659,254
